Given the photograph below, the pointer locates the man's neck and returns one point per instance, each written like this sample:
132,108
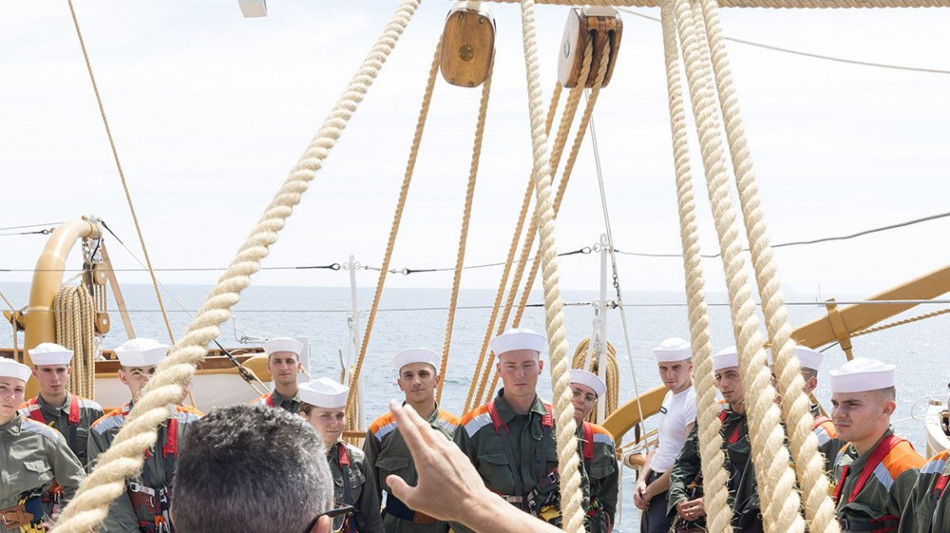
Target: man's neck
288,390
865,445
54,401
521,405
738,407
424,408
684,387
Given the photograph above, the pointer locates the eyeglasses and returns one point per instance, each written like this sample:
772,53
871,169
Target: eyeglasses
587,397
338,514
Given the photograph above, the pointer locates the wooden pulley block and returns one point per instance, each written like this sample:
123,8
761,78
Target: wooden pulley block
468,45
103,323
606,28
99,274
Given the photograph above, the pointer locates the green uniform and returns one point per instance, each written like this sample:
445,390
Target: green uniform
928,507
31,456
599,458
145,504
877,505
358,489
533,461
75,431
387,454
274,399
743,493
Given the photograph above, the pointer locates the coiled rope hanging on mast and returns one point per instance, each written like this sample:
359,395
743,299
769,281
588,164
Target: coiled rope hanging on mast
125,457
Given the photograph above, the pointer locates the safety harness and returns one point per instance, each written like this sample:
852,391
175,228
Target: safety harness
527,502
587,451
156,501
734,436
36,413
357,524
877,525
939,487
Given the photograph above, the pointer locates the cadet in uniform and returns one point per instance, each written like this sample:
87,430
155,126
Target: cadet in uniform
684,502
823,428
144,507
386,450
928,507
677,418
283,363
56,407
598,452
511,440
877,470
31,456
323,404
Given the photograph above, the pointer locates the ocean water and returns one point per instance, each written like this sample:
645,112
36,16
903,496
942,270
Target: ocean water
417,317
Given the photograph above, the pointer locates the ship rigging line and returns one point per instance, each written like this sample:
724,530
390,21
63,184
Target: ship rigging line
811,55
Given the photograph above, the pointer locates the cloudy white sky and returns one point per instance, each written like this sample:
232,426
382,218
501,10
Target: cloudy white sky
210,111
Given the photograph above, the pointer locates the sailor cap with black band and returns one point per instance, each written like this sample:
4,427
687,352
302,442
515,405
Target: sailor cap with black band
518,339
807,358
862,374
141,352
324,392
49,354
417,355
283,344
583,377
12,369
726,358
672,350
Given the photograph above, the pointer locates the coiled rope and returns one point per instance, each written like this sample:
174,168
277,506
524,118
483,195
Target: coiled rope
74,311
466,216
611,372
809,464
125,457
776,480
718,511
568,460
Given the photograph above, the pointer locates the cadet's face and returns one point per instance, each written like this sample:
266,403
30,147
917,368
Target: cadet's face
418,381
584,399
136,378
519,371
52,379
329,423
283,367
860,415
729,383
676,375
11,396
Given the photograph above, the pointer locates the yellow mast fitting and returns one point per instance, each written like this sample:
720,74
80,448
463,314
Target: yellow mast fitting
468,44
603,24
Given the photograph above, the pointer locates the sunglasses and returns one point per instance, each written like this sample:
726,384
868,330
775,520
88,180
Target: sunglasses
338,514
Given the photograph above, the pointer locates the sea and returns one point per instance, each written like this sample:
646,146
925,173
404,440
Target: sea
417,318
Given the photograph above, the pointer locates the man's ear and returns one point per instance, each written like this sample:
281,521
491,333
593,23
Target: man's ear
323,525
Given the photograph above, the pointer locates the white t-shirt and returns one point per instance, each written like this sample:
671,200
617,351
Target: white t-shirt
678,411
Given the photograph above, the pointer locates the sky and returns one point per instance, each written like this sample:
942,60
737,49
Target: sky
210,111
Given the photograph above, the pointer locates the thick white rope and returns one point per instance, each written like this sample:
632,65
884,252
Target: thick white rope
796,406
124,459
568,459
776,480
716,499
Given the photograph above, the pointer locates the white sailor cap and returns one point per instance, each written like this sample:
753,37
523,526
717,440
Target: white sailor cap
726,358
807,357
141,352
283,344
12,369
672,350
518,339
417,355
583,377
862,374
324,392
49,353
